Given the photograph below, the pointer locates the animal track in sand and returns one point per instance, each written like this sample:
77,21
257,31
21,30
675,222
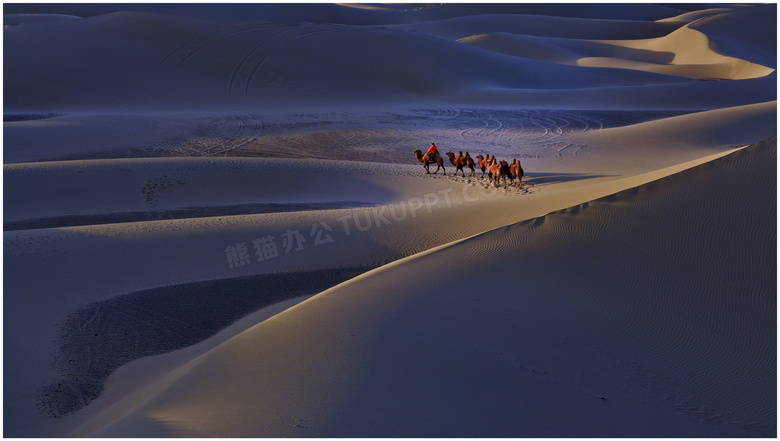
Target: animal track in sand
389,137
160,73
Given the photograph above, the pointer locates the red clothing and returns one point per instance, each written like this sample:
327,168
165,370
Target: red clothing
432,150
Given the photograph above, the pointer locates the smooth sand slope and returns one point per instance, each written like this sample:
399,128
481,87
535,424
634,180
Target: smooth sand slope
180,179
412,213
672,327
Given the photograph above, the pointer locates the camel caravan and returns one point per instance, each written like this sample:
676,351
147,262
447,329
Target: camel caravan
497,170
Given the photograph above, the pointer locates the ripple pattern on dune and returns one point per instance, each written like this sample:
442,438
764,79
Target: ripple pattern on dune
100,337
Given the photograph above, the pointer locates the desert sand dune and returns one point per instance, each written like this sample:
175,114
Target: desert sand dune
639,12
541,48
24,19
362,14
692,56
229,68
706,322
747,33
215,226
279,12
688,17
691,96
714,127
545,26
684,52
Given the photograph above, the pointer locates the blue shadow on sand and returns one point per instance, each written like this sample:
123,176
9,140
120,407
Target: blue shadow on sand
180,213
555,178
98,338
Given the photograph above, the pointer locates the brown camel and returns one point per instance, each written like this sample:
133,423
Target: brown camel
461,161
484,164
425,162
470,163
517,170
489,159
482,161
494,170
504,172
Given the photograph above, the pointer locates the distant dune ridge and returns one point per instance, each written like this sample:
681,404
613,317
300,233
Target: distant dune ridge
215,225
240,64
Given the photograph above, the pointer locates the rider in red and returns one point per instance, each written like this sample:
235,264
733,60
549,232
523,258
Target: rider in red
431,152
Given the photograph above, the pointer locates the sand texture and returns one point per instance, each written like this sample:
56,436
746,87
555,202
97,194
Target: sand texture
215,224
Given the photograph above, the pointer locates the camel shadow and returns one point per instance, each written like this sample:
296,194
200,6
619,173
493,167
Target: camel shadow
555,178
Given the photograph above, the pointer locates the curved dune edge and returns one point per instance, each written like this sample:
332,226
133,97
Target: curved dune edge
170,252
228,69
747,33
719,127
693,57
688,17
685,52
348,370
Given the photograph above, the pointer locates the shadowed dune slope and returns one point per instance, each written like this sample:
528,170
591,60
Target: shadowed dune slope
692,55
545,26
747,33
690,16
685,52
684,346
145,60
358,14
23,19
698,95
733,125
645,12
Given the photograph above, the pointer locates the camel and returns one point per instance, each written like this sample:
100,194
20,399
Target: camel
425,162
504,172
494,171
460,161
517,170
482,163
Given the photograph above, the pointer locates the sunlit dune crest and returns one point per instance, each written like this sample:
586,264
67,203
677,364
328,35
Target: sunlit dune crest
690,54
685,52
